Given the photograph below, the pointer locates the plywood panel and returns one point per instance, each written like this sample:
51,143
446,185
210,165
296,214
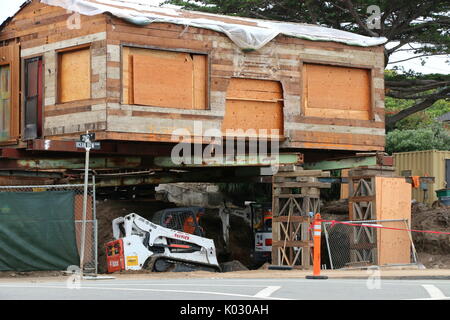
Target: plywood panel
163,80
254,104
393,201
74,75
336,92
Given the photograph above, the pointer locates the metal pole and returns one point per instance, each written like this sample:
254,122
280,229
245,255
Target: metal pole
94,223
328,244
83,230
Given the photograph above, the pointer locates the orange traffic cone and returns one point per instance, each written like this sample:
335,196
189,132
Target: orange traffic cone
317,232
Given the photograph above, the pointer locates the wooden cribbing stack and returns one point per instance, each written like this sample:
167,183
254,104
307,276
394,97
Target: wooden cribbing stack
376,194
295,194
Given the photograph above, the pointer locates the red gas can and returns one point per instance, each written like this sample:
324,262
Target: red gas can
114,256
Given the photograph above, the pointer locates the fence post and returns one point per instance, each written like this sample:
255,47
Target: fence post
317,233
85,196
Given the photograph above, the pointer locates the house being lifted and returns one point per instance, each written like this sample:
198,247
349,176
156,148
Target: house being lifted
133,73
144,78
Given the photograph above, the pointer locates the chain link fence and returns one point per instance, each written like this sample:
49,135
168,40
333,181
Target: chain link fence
367,243
90,223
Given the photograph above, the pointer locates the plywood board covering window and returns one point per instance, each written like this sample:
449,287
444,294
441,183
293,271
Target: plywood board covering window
336,92
74,75
254,104
165,78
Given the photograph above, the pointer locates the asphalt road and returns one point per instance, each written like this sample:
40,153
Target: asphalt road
228,289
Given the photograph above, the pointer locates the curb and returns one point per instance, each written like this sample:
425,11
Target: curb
395,277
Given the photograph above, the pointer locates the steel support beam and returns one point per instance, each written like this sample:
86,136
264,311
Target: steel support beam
206,176
108,147
70,163
231,161
350,162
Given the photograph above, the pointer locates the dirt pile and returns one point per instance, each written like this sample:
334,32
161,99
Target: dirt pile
433,248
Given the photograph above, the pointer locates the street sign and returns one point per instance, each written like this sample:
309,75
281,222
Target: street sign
88,145
87,137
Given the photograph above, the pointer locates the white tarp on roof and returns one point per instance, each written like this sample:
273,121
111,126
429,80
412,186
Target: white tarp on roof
245,33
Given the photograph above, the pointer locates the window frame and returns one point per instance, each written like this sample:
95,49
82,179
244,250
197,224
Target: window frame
9,64
159,48
370,68
24,85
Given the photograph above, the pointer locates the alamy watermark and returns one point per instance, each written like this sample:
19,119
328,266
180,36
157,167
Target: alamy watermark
74,21
374,20
74,280
241,146
374,280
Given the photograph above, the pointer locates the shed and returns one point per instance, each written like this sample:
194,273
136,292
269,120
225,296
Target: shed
432,163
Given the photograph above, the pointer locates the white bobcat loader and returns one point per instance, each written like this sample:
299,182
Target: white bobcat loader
141,244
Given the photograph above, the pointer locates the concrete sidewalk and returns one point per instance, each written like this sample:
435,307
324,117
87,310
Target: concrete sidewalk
384,273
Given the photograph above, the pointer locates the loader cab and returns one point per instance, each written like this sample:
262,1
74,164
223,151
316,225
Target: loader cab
185,219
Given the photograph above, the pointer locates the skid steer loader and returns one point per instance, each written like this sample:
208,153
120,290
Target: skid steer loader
141,244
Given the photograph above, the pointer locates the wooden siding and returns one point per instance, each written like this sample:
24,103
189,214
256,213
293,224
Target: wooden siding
280,61
43,30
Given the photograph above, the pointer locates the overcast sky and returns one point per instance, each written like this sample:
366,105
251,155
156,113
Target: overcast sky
436,64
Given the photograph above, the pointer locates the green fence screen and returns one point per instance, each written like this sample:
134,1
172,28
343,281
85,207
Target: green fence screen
37,231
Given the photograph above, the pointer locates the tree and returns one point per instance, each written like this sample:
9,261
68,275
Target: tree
420,27
431,137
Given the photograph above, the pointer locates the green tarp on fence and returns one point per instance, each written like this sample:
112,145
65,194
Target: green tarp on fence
37,231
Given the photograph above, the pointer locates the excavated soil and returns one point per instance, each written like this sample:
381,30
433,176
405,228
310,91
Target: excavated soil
433,249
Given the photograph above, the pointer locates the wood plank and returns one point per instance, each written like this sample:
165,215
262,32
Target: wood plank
337,138
303,173
290,244
302,184
336,122
290,219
